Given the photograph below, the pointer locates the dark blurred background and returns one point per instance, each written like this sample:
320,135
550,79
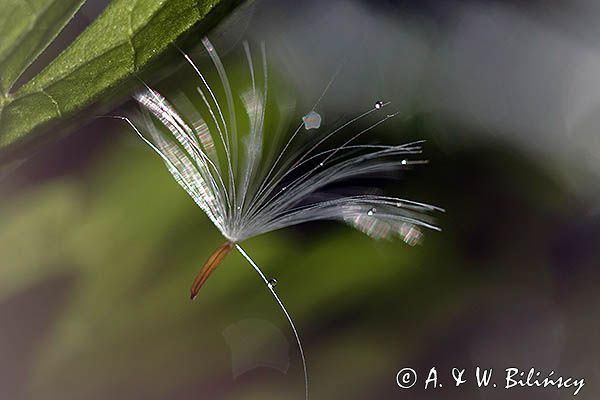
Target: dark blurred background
98,245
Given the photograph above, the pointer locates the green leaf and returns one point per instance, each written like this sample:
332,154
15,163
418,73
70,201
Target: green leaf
112,51
27,28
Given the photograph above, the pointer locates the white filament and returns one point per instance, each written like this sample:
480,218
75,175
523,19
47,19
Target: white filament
287,314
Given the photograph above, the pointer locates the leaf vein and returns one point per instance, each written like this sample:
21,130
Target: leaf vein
53,102
32,26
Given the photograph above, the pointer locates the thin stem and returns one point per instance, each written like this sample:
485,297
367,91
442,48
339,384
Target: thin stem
289,318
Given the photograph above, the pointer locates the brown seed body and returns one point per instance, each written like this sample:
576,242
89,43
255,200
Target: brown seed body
209,266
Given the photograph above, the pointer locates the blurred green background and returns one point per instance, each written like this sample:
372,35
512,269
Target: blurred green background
98,247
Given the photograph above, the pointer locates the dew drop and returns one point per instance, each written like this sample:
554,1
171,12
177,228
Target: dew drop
312,120
272,283
372,211
404,162
379,104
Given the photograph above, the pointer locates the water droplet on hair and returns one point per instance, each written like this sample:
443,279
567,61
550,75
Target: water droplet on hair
321,164
372,211
404,162
379,104
272,283
312,120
